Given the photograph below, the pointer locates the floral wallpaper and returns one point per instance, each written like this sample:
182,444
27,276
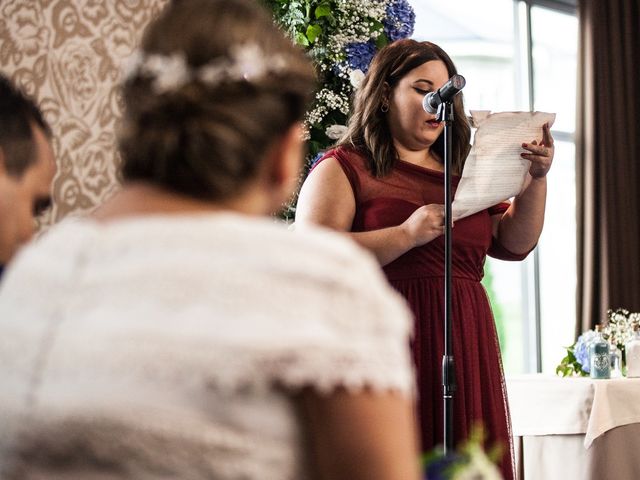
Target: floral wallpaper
67,54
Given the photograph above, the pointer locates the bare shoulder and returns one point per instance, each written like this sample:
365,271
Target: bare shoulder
326,197
329,166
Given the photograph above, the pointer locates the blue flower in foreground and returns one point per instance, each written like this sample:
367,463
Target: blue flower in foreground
440,468
581,349
400,20
359,55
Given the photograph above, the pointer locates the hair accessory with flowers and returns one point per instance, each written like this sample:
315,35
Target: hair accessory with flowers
245,62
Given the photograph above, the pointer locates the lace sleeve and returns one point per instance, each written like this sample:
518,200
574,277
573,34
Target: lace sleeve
352,330
304,309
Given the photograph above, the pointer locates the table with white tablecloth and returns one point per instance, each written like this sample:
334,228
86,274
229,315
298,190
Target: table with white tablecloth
575,428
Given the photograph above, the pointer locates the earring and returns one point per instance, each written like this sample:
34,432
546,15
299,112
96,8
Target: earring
384,108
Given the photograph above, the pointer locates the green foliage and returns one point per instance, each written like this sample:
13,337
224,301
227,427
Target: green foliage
313,32
569,365
297,20
498,311
324,10
381,41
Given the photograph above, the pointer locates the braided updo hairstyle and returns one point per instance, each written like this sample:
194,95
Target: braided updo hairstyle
208,140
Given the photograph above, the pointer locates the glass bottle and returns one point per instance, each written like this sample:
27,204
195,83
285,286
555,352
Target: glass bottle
615,356
632,352
599,357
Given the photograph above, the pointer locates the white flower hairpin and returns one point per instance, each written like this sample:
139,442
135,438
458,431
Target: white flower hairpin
246,62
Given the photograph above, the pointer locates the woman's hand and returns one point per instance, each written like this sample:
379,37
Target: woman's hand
541,154
519,228
425,224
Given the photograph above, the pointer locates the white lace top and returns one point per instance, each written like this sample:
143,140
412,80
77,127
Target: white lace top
170,347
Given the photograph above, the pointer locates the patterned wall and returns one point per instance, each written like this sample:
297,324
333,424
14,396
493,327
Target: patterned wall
68,54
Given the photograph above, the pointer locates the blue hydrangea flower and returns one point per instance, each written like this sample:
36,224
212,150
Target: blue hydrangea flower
581,349
440,468
400,20
315,159
359,55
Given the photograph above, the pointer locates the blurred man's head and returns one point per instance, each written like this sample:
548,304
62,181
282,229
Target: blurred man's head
27,167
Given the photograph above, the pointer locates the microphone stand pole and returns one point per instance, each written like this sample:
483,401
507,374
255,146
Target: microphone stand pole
445,114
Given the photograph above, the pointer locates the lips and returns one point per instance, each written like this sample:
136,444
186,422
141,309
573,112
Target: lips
433,123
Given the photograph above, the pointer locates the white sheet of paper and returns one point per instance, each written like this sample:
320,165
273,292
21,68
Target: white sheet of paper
494,170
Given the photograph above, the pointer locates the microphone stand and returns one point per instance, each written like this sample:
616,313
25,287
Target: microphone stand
445,114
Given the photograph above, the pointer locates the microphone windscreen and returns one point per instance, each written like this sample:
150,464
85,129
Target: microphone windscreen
427,103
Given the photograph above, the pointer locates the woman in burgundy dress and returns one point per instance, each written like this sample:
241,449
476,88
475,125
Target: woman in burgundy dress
384,184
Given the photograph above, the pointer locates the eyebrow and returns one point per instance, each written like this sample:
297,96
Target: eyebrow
424,80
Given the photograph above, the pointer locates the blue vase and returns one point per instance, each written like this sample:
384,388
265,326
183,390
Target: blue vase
599,358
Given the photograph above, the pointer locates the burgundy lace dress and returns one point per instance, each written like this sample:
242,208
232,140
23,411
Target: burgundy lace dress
480,397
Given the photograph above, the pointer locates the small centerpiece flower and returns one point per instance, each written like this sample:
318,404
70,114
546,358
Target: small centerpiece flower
618,330
619,327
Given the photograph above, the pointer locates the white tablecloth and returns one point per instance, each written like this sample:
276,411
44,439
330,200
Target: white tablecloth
551,405
566,428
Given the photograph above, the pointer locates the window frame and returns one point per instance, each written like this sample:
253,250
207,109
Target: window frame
531,304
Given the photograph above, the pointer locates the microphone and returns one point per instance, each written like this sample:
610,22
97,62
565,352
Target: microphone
445,93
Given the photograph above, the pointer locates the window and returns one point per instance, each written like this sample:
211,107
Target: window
554,40
521,55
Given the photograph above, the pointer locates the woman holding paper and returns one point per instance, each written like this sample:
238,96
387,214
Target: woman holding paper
383,183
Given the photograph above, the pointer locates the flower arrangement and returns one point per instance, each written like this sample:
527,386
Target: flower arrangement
618,330
341,37
471,462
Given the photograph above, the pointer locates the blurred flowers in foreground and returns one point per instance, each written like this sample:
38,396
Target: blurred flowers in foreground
470,462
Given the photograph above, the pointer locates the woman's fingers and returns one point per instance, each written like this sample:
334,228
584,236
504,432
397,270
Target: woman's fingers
540,154
535,149
545,147
547,138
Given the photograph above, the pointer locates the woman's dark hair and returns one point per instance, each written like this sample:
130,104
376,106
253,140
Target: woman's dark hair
368,130
209,140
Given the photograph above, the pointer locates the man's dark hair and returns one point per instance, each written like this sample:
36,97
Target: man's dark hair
17,115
